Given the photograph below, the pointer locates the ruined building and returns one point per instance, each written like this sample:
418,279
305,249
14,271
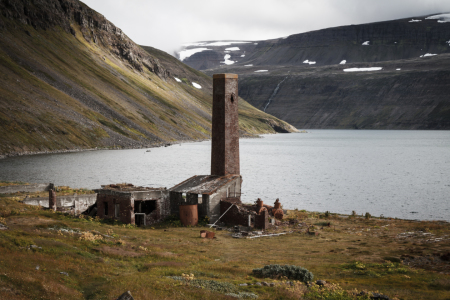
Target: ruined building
130,204
200,196
206,191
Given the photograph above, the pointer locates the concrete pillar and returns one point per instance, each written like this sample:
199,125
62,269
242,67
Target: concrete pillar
52,199
225,125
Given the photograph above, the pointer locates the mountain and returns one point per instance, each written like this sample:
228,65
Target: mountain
70,79
301,78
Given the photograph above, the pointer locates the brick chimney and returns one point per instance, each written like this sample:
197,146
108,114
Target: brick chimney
225,125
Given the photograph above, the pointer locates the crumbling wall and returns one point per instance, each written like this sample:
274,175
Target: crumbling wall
235,215
80,203
214,210
262,220
26,188
126,207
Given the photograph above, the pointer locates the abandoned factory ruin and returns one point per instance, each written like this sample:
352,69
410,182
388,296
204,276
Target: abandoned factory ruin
216,196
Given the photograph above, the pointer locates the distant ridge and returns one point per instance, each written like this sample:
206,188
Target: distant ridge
400,78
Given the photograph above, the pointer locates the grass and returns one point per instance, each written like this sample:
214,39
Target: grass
103,259
57,93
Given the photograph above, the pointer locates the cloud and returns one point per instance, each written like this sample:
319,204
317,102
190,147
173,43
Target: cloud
168,24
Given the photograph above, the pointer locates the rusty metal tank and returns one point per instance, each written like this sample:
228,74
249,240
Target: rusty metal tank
189,215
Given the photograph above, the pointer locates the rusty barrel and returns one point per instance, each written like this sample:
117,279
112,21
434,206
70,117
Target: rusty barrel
210,234
189,215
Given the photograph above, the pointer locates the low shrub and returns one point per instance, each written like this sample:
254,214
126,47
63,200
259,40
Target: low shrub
289,271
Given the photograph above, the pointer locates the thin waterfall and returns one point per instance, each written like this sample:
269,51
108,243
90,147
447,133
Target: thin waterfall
275,91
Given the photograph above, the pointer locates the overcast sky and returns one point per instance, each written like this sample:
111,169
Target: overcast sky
167,24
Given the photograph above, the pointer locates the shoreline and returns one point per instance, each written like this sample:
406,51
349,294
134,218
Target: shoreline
158,145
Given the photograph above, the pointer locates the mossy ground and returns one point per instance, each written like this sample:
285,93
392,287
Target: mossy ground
103,259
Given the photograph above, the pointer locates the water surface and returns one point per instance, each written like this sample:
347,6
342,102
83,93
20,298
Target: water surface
401,174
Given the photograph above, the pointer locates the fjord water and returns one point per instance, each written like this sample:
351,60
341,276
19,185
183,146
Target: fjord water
404,174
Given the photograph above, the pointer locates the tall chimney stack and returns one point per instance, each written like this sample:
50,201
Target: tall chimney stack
225,125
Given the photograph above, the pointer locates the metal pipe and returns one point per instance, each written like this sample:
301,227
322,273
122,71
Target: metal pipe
221,216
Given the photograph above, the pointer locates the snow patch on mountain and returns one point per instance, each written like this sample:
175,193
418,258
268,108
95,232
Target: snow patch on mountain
427,55
442,18
363,69
189,52
227,60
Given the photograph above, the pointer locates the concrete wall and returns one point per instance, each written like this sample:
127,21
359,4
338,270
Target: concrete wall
229,190
126,207
126,203
79,202
162,210
26,188
234,216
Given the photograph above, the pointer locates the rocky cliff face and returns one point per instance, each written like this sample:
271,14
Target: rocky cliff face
301,78
47,14
374,42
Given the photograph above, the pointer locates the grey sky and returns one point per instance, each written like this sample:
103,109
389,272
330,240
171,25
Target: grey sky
166,24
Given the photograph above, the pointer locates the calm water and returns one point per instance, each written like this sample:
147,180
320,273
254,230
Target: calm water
403,174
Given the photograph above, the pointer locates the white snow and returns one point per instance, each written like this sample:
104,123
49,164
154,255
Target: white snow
255,43
448,42
363,69
442,18
366,43
196,85
193,44
248,66
309,62
259,71
343,62
227,60
243,55
398,69
427,55
177,79
233,49
186,53
413,21
225,43
226,51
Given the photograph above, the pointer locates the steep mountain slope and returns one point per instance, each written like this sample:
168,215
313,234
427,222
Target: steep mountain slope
70,79
373,42
301,78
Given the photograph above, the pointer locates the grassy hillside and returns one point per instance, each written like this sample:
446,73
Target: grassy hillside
68,84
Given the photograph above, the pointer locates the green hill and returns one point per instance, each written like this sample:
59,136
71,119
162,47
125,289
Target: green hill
70,79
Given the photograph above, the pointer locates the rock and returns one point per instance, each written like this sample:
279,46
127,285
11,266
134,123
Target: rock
379,296
64,273
264,283
125,296
321,282
243,284
272,284
37,267
3,227
258,284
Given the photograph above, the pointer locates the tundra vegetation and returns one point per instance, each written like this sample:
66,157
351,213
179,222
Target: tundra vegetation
48,255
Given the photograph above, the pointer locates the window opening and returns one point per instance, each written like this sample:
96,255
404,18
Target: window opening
117,210
144,206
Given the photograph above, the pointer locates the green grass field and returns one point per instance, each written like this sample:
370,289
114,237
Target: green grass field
47,255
